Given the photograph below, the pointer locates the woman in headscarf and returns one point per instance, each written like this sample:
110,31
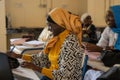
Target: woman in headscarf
88,29
61,59
110,40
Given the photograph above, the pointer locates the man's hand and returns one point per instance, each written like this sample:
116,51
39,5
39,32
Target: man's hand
91,47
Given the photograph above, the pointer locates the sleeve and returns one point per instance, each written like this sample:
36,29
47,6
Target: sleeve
40,60
104,40
26,57
70,61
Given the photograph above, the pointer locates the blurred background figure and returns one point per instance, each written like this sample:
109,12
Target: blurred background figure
89,30
45,35
109,41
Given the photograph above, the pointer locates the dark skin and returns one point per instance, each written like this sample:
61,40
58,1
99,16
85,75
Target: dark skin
109,18
87,22
56,30
91,47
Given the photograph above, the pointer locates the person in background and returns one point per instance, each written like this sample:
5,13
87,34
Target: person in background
110,33
89,30
45,35
62,57
110,39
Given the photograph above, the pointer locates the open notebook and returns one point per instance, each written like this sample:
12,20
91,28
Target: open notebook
16,74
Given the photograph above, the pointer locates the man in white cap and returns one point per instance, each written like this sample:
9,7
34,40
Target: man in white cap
89,30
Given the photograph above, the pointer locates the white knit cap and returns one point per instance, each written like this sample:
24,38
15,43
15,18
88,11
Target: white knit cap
84,16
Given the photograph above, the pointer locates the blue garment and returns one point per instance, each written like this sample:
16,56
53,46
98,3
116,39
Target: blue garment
44,78
84,69
116,12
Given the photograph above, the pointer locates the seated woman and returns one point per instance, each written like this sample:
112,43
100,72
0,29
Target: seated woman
110,40
61,59
89,30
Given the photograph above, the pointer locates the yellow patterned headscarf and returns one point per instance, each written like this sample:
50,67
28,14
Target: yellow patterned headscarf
66,20
69,21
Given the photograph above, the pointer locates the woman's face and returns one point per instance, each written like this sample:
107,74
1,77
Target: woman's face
110,19
54,28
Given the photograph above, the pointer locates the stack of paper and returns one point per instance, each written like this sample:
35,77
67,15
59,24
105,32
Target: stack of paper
14,39
34,43
17,41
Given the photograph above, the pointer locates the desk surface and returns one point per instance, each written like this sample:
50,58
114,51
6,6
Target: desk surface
95,63
24,72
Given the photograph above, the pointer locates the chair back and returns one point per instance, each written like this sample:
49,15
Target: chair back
5,70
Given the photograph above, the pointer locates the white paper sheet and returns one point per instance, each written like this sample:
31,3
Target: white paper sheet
14,39
34,43
25,72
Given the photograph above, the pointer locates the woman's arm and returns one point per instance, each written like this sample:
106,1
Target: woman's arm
40,60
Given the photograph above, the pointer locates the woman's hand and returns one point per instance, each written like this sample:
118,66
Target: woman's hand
31,66
14,55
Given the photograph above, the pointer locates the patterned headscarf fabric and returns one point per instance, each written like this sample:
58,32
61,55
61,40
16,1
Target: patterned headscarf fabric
84,16
66,20
116,12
